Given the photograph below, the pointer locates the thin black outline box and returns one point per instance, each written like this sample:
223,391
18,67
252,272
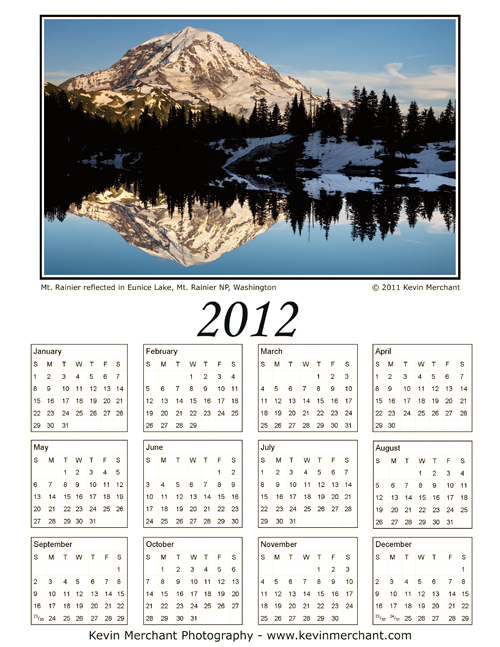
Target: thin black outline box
398,528
73,440
309,431
416,431
312,624
72,624
193,442
65,431
306,440
183,624
417,624
188,431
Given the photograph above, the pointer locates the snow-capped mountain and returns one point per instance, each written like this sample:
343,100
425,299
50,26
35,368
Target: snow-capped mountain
198,67
205,237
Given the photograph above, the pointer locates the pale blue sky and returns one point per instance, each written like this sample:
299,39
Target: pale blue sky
415,59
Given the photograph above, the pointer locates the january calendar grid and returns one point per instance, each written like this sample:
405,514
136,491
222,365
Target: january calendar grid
193,387
422,387
79,387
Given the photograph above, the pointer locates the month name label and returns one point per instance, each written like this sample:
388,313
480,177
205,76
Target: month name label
193,484
308,483
193,581
78,387
308,580
193,387
78,580
422,387
422,581
308,387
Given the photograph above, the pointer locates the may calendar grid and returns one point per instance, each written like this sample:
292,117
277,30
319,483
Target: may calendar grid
79,483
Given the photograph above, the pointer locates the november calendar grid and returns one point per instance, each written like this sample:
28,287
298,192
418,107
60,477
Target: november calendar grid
308,580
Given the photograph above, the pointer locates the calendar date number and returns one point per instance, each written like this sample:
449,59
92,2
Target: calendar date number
236,319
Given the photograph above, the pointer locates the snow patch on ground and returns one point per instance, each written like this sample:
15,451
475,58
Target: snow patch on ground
429,162
333,157
429,182
339,182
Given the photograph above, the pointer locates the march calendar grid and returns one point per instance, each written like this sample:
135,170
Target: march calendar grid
308,387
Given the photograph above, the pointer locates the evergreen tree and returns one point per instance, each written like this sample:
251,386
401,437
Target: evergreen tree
263,118
447,123
253,122
413,129
431,127
275,121
383,124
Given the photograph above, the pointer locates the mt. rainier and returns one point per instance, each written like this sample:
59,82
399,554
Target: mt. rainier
197,67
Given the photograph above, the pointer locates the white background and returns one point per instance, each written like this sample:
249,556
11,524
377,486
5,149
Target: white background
330,312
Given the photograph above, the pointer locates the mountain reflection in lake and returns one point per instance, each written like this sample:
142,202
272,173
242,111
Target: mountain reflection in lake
141,228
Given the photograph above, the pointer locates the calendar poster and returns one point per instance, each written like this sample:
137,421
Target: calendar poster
250,325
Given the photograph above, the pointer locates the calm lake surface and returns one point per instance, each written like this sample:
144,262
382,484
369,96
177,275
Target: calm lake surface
136,230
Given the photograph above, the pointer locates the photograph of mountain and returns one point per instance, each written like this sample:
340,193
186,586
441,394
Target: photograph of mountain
249,147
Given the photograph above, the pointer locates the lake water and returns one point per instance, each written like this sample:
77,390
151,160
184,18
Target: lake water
234,231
